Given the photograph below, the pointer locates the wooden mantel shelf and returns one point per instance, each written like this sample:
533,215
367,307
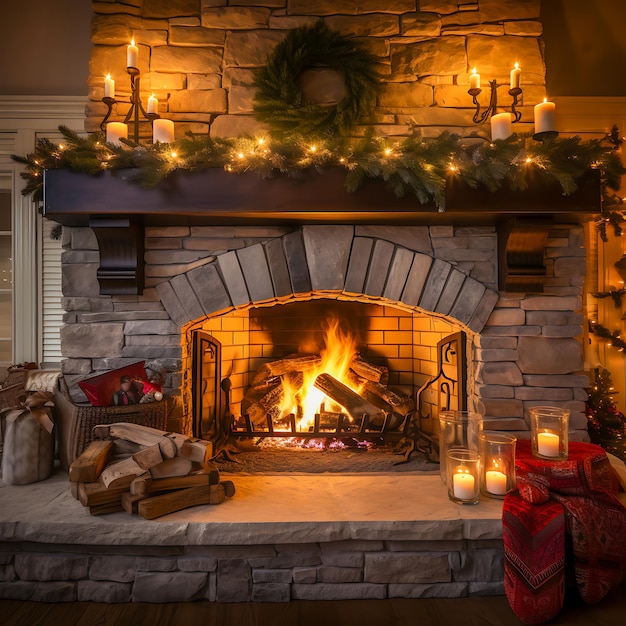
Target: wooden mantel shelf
118,210
217,197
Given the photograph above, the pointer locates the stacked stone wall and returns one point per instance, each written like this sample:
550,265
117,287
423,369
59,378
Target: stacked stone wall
339,570
198,58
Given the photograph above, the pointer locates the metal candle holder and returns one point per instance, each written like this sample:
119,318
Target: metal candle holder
136,107
480,118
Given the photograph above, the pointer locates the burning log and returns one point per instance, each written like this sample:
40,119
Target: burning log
369,371
400,404
352,402
269,405
298,363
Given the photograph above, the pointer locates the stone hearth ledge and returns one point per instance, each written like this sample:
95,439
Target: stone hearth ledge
277,509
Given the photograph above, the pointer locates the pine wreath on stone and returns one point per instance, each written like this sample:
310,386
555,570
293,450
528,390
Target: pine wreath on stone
283,105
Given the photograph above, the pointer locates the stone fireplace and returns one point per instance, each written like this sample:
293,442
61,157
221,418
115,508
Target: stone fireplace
238,258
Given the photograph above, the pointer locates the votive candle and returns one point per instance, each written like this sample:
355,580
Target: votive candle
495,481
515,76
474,80
500,126
548,444
153,104
463,486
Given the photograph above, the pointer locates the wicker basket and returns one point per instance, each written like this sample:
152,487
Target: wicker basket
75,422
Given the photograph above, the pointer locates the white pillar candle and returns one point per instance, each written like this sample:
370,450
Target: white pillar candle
548,444
545,116
500,126
474,80
109,87
515,76
153,104
463,486
116,131
132,53
495,481
163,131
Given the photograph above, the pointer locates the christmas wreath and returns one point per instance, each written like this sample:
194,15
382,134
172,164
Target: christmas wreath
279,100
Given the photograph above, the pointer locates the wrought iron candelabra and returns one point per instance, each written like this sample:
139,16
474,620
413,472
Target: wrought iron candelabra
136,107
480,118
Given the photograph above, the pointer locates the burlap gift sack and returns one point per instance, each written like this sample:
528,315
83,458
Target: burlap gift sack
27,434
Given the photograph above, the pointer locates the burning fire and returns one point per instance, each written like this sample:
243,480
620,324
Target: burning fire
340,349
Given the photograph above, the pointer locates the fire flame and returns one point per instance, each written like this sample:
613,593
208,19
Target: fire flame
340,349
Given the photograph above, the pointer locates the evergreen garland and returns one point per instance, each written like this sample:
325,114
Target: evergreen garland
418,166
616,295
613,338
279,100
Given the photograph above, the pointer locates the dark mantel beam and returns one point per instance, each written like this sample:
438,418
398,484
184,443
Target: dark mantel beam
118,210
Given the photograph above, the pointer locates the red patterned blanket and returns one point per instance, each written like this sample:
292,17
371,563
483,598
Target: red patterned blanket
573,499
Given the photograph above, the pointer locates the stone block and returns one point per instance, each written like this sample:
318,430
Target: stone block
155,564
554,318
271,575
496,354
234,18
398,272
38,592
443,56
499,373
249,48
80,280
328,251
547,355
352,545
50,567
333,574
493,55
295,254
570,266
197,564
507,317
483,311
116,568
271,592
412,237
450,293
358,264
234,580
512,331
470,298
349,7
304,575
171,303
408,567
195,36
151,327
232,275
437,277
339,591
501,407
256,273
420,24
379,267
441,231
277,264
168,586
371,25
508,10
92,591
96,340
188,60
504,423
562,331
240,99
209,288
486,589
287,559
439,590
406,95
187,297
191,100
494,391
236,126
416,279
486,565
551,303
547,395
343,559
83,239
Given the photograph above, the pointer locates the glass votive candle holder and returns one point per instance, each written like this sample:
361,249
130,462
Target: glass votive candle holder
497,464
457,429
548,432
463,467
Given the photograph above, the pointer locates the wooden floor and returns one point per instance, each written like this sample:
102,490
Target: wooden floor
490,611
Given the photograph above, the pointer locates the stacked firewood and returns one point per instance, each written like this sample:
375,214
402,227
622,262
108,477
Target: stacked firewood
384,407
146,471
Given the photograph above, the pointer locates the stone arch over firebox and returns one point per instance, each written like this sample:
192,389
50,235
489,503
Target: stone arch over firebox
328,260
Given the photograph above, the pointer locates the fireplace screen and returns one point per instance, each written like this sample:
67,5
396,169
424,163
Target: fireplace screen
333,370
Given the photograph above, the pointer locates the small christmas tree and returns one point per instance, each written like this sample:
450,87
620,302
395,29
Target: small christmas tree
605,422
